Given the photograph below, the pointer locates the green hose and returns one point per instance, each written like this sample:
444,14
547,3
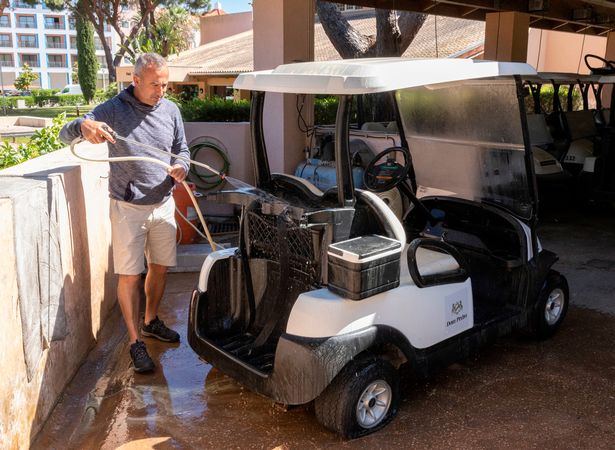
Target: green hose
208,181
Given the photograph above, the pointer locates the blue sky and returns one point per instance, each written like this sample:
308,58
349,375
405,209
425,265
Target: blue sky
233,6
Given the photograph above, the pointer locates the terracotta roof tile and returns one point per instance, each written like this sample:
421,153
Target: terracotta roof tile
234,55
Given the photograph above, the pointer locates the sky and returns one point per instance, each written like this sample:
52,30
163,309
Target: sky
233,6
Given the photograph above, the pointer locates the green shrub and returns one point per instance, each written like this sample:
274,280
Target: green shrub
44,100
43,141
215,110
43,92
325,110
8,102
71,100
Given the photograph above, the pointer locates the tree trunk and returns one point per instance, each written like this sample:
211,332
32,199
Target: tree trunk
394,32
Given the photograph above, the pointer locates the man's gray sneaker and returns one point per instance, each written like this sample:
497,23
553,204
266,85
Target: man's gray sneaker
157,329
140,359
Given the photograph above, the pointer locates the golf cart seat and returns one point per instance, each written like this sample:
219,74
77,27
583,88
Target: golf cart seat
372,215
373,126
379,215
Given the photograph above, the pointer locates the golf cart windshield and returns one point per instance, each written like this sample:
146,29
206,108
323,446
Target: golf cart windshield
466,141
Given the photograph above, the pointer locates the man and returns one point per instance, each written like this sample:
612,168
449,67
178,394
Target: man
141,209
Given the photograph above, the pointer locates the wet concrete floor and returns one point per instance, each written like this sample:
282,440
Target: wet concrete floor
518,394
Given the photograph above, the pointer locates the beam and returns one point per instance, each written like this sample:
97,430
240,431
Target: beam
559,12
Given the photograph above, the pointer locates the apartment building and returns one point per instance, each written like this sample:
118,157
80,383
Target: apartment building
46,41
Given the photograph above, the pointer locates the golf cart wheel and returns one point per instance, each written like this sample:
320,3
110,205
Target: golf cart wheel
362,399
552,306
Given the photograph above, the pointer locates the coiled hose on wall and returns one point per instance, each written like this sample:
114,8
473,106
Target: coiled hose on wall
208,181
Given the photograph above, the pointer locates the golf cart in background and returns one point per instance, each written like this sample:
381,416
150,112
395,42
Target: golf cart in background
329,293
578,132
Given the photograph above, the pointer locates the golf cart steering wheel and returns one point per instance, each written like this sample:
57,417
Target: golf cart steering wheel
607,69
384,176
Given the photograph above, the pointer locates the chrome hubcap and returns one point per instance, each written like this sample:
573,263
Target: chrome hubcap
374,404
554,306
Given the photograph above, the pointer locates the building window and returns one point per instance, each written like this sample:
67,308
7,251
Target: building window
102,62
72,23
5,21
54,23
56,61
97,43
31,60
5,40
55,42
27,40
26,22
344,7
73,41
19,4
6,60
124,24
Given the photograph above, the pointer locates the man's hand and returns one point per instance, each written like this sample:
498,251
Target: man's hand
178,173
96,132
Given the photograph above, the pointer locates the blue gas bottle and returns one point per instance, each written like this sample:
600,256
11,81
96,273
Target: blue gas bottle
322,174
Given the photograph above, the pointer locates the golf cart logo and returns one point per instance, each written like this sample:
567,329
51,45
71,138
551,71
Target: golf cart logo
457,307
455,316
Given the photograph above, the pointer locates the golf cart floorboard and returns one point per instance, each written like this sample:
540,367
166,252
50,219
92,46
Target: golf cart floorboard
242,347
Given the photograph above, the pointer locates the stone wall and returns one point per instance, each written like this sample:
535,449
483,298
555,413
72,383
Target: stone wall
57,282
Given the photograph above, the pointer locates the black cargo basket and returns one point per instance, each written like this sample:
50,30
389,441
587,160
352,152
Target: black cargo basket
264,240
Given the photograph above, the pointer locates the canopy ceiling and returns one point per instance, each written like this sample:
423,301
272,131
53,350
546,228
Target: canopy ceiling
595,17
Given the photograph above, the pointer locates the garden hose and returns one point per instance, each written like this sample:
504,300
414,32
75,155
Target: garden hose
206,181
155,161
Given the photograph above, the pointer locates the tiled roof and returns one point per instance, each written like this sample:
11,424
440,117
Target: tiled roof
215,12
234,55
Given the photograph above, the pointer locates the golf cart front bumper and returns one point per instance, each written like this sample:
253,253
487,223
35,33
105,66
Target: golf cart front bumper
302,367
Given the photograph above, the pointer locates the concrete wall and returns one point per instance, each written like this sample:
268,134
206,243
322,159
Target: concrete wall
283,33
41,350
219,27
235,137
556,51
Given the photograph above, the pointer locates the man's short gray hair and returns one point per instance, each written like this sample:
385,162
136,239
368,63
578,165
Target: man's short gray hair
147,60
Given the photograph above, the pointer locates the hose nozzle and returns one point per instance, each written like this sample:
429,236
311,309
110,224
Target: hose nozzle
110,131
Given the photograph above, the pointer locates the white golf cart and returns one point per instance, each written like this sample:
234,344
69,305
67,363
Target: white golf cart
329,293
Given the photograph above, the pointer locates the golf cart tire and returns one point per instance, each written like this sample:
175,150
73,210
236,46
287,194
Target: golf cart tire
336,407
555,284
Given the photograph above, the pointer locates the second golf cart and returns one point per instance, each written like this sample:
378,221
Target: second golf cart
328,293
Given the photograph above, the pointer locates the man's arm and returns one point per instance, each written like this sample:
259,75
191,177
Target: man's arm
92,127
180,147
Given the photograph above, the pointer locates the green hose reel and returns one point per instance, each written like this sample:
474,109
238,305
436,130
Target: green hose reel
208,180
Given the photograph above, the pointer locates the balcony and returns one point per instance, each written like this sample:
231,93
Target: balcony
6,63
56,44
56,64
5,23
30,63
54,26
26,24
27,44
23,5
6,43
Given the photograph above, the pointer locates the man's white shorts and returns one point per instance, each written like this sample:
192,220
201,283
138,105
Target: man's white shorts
139,231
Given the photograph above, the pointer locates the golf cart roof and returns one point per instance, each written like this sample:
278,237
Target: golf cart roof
371,75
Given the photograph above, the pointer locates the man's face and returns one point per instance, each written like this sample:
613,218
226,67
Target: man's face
151,85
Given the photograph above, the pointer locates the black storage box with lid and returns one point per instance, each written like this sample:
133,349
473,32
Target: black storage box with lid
364,266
